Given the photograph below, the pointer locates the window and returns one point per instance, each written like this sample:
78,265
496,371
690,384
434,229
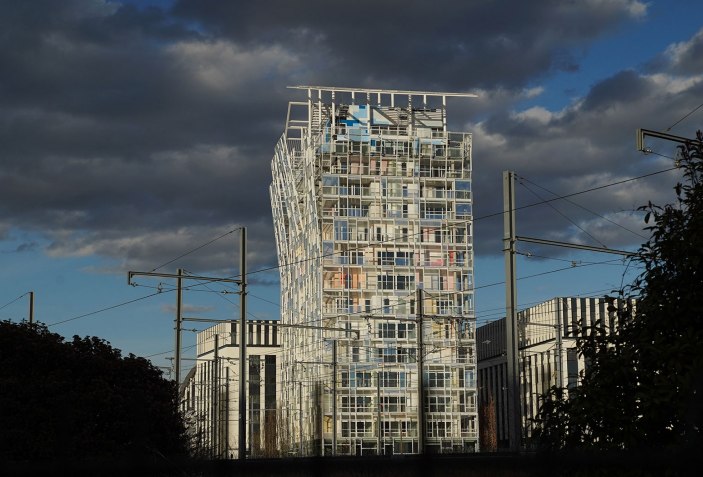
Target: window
356,428
438,404
392,282
460,258
439,429
407,330
359,379
463,190
391,428
386,330
356,258
393,404
363,428
385,282
469,379
406,355
460,234
463,210
344,305
392,379
363,379
356,403
389,355
402,282
468,425
438,379
341,230
385,258
444,307
403,258
462,354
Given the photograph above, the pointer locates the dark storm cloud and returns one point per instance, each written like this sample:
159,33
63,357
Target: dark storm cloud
449,44
135,133
623,88
111,131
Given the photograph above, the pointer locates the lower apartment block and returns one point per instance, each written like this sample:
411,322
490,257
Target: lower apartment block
209,394
547,357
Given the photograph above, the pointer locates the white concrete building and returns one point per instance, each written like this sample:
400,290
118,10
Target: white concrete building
547,355
209,394
371,198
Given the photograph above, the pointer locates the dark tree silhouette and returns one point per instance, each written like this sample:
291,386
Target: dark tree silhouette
81,400
643,386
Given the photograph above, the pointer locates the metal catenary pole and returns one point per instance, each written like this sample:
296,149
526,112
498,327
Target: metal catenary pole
31,307
243,348
420,376
510,239
512,378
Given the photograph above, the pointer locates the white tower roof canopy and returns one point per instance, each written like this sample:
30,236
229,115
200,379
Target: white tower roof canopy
334,89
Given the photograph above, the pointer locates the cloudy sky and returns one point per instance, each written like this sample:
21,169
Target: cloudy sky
135,132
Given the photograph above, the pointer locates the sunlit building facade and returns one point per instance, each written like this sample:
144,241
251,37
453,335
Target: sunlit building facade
547,356
209,394
372,210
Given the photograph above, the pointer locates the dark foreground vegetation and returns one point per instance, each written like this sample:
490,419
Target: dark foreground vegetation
81,400
643,386
473,465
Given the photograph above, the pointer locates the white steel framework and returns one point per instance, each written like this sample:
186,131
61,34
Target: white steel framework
372,200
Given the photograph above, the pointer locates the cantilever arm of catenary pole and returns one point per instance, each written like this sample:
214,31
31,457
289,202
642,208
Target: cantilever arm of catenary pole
281,325
641,133
185,277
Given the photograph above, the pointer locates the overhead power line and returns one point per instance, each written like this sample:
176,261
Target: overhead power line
573,222
475,219
584,208
103,309
371,244
11,302
197,248
685,116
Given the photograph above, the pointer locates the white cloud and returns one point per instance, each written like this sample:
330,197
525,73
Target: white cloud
223,66
686,56
537,113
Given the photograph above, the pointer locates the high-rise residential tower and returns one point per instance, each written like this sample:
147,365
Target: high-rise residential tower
372,209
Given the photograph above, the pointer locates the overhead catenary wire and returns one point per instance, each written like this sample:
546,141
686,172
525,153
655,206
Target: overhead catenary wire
685,116
102,310
474,219
562,214
592,189
522,178
12,301
197,248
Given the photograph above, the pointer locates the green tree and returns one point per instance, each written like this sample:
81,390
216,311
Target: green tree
81,399
643,384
